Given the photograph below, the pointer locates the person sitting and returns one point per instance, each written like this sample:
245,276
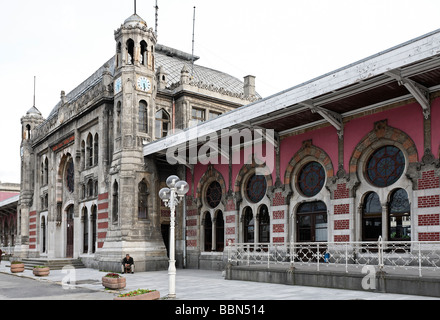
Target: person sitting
128,264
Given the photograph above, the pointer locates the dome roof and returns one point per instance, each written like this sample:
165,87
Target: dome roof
134,20
33,111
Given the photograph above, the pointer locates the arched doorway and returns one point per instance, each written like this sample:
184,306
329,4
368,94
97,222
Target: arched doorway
69,232
312,222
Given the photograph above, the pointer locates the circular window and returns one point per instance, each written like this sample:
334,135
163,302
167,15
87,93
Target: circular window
385,166
70,176
311,179
256,188
214,194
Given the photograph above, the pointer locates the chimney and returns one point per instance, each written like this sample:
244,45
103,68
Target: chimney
249,86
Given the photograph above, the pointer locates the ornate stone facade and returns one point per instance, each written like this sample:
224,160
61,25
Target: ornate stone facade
86,191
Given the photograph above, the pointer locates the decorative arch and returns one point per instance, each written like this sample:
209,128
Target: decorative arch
210,175
388,135
246,170
309,150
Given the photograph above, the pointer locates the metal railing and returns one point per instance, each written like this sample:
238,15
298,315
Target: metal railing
385,255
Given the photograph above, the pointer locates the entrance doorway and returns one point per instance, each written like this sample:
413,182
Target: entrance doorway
312,222
69,228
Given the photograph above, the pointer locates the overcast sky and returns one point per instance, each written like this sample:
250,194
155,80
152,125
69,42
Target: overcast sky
281,42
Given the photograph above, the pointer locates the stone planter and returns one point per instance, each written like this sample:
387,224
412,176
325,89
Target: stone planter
114,283
154,295
17,267
41,272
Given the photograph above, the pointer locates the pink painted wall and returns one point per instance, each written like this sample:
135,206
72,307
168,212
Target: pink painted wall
324,138
435,127
408,118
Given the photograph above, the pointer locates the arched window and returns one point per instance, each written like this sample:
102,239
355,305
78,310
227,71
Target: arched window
28,132
263,224
256,188
208,231
89,150
96,149
143,116
46,171
142,200
385,166
85,221
312,222
144,53
115,206
371,217
399,215
94,231
249,226
214,194
42,174
83,155
219,232
130,51
70,175
311,179
162,124
90,190
118,118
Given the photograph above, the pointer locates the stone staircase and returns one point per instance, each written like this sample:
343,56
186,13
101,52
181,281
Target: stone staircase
53,264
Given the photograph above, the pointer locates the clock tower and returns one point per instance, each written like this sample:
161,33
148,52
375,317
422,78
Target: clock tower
133,227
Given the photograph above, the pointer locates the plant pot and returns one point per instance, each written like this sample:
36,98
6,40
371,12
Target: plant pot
154,295
17,267
41,272
114,283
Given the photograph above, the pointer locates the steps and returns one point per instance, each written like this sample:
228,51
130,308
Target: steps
53,264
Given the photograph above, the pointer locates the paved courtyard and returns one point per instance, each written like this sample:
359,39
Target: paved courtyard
201,285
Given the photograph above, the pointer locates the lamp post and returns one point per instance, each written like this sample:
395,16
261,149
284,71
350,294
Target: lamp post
172,196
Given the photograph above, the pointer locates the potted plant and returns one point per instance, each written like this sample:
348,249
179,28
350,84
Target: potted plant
17,266
139,294
113,281
41,271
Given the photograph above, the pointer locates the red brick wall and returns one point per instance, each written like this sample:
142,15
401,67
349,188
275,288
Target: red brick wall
342,224
278,200
33,230
428,181
429,201
429,220
342,209
341,191
103,219
429,236
342,238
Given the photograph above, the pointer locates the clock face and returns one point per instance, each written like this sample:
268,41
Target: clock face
144,84
118,85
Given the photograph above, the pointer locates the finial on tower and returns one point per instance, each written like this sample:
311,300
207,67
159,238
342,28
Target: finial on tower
134,6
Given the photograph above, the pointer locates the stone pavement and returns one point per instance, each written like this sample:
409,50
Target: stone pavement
205,285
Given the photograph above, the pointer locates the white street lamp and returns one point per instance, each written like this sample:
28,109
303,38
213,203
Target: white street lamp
171,196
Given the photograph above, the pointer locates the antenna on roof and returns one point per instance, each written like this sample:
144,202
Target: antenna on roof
134,6
192,57
35,80
157,17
